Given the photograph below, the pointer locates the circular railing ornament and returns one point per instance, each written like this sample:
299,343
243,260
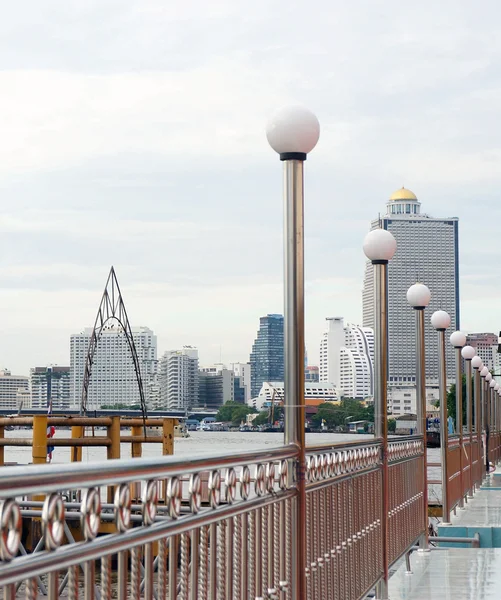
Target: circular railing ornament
174,492
122,507
270,477
260,484
91,514
283,475
149,502
53,521
10,529
245,483
231,485
215,488
195,492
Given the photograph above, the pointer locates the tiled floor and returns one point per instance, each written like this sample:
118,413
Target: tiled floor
455,574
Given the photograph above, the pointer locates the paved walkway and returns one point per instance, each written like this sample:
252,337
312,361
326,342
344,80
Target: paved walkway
459,573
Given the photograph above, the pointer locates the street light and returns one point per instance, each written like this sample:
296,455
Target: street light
468,353
293,132
477,364
418,296
441,320
484,373
379,247
458,340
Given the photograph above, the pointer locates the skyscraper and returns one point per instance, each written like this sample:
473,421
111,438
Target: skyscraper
267,356
13,389
347,358
178,378
427,252
113,380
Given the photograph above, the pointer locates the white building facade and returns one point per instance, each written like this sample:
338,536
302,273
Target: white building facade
274,390
427,252
113,379
347,358
13,389
178,378
243,371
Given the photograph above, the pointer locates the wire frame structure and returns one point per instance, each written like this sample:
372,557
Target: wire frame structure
111,308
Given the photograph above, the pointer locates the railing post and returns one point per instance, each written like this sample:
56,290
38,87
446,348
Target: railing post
168,436
292,133
39,448
379,247
76,451
440,321
113,450
418,296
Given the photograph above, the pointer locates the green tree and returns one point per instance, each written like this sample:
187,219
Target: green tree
225,413
392,425
240,412
451,401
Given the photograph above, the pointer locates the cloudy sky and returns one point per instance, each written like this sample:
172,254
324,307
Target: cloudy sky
132,134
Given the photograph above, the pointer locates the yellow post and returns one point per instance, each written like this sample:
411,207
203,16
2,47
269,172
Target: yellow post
137,447
168,436
76,451
39,448
113,451
2,448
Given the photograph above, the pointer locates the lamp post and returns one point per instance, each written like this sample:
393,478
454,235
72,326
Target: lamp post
458,340
380,247
492,428
484,373
468,352
441,320
293,132
418,296
476,363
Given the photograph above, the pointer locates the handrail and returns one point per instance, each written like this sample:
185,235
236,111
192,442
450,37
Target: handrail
27,480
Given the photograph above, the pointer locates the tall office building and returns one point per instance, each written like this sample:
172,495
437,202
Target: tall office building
216,385
53,382
113,380
243,372
13,390
267,356
427,252
178,378
347,358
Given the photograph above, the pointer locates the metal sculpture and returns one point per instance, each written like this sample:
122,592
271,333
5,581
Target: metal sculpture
112,307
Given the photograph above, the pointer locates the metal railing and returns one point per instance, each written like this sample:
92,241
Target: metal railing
221,529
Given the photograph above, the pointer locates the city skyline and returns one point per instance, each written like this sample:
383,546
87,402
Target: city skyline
119,161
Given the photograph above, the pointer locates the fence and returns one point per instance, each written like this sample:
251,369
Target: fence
229,538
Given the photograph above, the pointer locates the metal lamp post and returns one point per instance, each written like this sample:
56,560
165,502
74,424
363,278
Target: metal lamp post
293,132
485,383
380,247
476,363
492,427
418,296
441,321
458,340
468,352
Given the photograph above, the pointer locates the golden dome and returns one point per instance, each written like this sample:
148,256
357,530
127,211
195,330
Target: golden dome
403,194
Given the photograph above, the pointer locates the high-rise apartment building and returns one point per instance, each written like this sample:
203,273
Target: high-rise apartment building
113,380
50,382
427,252
347,358
13,389
267,356
178,378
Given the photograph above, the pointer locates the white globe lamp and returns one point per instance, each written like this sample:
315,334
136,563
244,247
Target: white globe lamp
496,387
468,352
293,132
440,320
492,383
488,377
484,372
380,245
458,339
476,362
418,296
